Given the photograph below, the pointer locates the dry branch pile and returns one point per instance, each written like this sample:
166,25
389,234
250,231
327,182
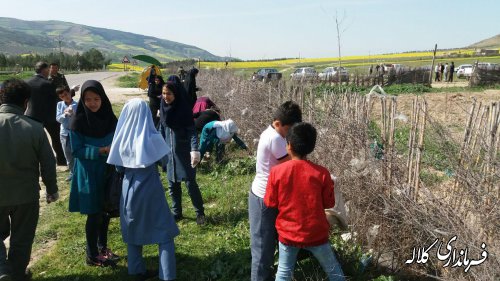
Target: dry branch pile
391,210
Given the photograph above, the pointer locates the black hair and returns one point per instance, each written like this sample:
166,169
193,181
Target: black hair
62,89
288,113
54,63
41,65
302,138
15,91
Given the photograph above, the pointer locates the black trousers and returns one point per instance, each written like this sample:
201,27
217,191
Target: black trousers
54,130
154,106
20,222
96,232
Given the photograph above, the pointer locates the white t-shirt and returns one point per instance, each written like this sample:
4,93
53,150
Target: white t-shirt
271,148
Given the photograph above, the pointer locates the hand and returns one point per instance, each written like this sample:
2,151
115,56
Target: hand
195,158
52,197
75,88
104,150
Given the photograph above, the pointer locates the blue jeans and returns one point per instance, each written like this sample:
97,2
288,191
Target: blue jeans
263,238
66,146
166,255
194,193
323,253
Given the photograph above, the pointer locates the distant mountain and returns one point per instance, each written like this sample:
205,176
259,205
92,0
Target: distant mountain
493,42
22,37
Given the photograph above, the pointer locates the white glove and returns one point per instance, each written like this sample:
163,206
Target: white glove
52,197
75,88
195,158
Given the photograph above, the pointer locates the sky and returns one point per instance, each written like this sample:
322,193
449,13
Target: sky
267,29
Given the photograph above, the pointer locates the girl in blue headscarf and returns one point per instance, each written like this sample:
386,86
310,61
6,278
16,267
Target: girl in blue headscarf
145,216
177,126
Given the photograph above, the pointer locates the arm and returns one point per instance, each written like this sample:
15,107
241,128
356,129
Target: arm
271,196
60,116
191,131
82,150
47,165
278,150
328,192
207,135
239,142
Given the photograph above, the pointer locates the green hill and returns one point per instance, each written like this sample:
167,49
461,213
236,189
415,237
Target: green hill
493,42
21,37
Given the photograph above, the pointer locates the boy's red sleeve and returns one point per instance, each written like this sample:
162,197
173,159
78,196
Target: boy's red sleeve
328,193
271,196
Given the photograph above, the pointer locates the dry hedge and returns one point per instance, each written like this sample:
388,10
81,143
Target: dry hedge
383,215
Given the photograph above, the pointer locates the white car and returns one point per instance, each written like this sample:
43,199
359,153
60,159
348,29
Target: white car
304,73
464,71
333,73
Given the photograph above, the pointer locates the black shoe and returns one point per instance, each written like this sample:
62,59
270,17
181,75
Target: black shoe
5,277
178,217
100,261
201,220
145,276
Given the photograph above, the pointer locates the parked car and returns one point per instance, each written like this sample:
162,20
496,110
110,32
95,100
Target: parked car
304,73
488,65
464,71
333,73
267,74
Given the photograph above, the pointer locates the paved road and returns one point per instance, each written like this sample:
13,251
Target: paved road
74,79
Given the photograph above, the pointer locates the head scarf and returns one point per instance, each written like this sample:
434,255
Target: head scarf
94,124
136,143
225,130
178,114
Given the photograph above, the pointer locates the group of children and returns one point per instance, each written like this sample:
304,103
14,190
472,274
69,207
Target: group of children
286,203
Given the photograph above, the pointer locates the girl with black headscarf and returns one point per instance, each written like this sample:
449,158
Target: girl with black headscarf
91,135
177,126
190,86
154,94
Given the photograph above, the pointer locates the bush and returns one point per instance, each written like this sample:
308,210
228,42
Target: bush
129,81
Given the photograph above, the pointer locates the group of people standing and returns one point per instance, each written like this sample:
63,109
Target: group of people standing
137,146
444,72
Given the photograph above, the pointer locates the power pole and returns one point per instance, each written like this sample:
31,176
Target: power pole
432,67
59,40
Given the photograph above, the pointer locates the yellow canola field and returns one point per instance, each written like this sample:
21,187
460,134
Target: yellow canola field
119,67
359,59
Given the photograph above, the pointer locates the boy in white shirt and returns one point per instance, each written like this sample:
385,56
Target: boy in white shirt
271,151
66,108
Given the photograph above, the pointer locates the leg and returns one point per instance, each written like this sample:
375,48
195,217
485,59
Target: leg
262,238
91,233
176,194
67,154
135,261
324,254
219,149
167,260
24,219
195,194
4,233
102,242
54,129
286,264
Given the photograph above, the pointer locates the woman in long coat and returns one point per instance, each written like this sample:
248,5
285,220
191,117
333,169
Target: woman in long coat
91,134
177,126
190,86
145,217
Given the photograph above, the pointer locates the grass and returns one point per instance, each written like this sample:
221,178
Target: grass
23,75
130,80
218,251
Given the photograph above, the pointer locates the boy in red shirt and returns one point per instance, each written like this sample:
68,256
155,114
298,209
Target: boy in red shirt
301,191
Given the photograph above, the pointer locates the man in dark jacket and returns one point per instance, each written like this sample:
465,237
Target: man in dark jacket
42,107
57,79
24,154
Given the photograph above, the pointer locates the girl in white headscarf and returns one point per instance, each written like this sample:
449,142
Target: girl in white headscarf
145,216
